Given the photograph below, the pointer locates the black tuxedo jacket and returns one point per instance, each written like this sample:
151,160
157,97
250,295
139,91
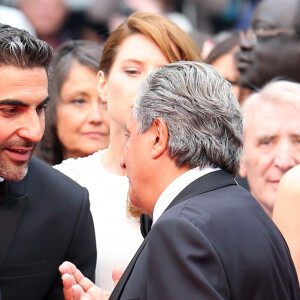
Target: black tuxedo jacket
44,220
213,242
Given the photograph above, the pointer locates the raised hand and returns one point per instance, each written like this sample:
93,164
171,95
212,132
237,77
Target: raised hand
78,287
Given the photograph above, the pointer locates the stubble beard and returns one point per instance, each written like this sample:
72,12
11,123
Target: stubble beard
14,171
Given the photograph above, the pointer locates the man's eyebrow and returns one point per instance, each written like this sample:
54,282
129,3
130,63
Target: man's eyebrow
13,102
45,101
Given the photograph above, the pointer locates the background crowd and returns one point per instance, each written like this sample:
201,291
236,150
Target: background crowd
254,45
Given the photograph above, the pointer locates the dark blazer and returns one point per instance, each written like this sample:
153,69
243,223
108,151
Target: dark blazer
44,220
213,242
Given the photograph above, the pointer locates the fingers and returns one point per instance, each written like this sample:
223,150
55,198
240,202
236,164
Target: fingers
67,267
76,277
117,274
84,282
70,275
78,287
68,283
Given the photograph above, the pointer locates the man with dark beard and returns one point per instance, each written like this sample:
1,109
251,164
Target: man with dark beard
44,216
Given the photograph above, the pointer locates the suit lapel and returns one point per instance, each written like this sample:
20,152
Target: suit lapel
11,211
206,183
201,185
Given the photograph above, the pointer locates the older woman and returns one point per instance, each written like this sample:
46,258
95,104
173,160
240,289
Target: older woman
77,122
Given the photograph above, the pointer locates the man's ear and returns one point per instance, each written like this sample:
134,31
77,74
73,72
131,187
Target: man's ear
102,86
243,168
160,138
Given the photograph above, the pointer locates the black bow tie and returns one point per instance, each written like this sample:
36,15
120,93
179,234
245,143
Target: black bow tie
146,223
2,190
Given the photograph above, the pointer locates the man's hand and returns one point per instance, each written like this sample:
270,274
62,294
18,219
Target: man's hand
78,287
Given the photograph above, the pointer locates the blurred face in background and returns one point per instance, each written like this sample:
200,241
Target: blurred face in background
82,117
271,146
46,16
227,67
271,47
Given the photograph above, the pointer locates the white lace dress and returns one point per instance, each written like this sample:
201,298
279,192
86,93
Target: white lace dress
117,234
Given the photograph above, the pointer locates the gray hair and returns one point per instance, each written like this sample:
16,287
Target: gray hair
87,53
20,49
203,116
275,91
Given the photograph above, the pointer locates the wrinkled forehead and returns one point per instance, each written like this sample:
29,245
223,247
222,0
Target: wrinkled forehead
259,112
275,14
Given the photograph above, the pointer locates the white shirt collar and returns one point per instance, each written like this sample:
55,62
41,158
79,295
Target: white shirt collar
175,187
1,179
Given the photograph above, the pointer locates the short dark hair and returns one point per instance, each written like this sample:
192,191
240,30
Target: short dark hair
20,49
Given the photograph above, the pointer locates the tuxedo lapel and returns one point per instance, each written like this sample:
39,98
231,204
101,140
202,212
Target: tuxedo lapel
11,211
206,183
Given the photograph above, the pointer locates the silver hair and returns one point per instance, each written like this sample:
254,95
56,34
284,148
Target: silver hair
281,90
275,91
203,116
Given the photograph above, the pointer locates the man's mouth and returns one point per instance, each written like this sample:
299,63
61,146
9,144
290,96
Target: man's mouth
243,61
19,154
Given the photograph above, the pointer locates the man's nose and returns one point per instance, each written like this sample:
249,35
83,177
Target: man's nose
32,128
285,157
247,40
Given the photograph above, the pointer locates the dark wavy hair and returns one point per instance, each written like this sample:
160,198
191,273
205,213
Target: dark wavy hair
85,52
20,49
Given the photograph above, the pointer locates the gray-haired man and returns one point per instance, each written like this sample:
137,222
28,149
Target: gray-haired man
210,239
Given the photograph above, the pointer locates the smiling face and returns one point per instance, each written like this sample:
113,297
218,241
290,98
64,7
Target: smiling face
138,55
263,58
271,146
23,96
82,117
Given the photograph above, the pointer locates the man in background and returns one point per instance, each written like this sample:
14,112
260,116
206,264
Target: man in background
271,47
271,138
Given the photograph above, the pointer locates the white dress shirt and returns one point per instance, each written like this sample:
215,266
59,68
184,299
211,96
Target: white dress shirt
175,187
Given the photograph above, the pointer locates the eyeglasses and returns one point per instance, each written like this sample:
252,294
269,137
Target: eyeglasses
261,32
253,34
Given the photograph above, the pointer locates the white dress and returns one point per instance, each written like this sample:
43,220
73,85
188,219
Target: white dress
117,234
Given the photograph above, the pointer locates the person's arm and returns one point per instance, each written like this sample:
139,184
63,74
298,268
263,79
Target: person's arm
287,211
